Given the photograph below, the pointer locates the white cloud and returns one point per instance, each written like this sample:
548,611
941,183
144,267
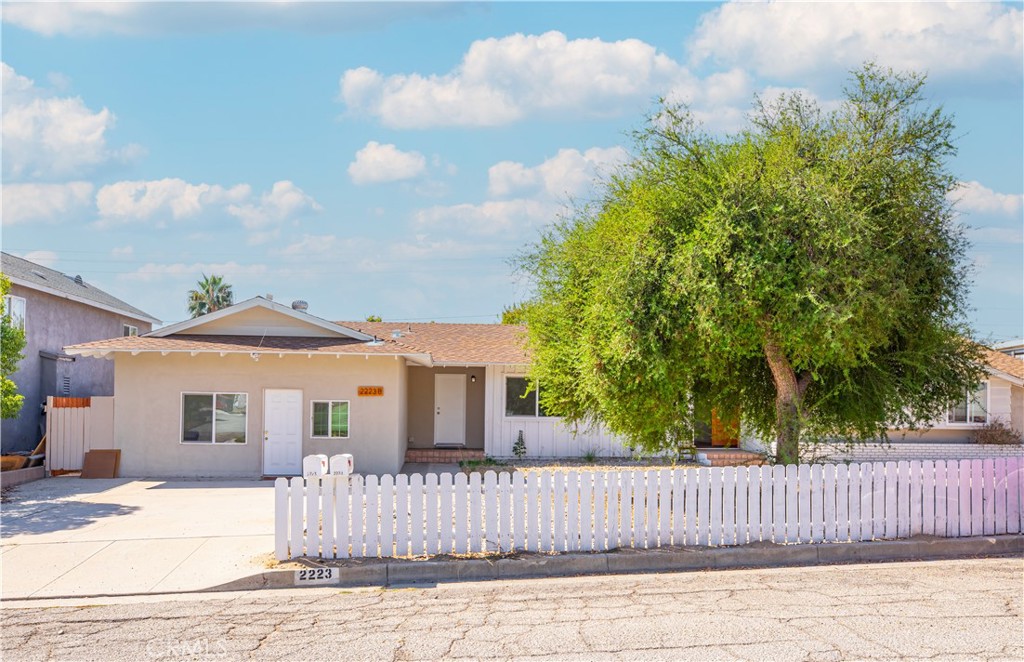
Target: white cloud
326,245
996,235
122,251
153,271
143,18
500,80
285,200
44,202
570,173
157,201
45,258
127,201
494,217
46,136
793,38
973,197
376,163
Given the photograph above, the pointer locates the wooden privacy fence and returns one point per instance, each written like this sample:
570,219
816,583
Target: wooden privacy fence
554,511
75,426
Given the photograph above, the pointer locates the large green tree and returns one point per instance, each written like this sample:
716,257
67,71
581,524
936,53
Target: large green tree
808,271
211,294
12,342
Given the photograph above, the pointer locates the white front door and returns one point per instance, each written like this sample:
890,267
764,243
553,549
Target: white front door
282,432
449,410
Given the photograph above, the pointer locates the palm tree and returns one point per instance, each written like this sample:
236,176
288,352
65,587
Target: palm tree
211,294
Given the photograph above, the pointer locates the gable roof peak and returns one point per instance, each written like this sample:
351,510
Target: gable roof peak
266,304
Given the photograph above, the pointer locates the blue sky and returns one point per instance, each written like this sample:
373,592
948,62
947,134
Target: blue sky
390,159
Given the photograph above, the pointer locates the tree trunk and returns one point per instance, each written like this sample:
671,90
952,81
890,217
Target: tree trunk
788,394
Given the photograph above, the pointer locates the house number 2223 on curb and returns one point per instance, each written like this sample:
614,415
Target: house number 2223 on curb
308,576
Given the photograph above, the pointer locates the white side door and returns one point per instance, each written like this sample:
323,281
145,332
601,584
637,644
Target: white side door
449,410
282,432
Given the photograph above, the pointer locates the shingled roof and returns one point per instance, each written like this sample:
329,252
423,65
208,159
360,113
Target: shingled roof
1004,363
455,344
36,276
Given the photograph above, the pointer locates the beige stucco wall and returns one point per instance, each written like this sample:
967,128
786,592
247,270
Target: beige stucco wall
147,417
421,405
1017,409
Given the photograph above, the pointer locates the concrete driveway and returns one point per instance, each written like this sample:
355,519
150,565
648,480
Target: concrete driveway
72,537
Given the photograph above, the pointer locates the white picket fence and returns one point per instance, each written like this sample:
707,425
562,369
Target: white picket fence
555,511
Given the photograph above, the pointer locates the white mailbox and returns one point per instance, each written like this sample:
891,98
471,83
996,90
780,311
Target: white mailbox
342,465
314,466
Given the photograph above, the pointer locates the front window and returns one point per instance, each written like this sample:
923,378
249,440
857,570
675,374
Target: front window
129,330
14,309
973,408
213,418
330,419
519,402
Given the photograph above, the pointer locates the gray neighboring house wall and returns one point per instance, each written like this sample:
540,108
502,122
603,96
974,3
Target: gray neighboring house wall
60,310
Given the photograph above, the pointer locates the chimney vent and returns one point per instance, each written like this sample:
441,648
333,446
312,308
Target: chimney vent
78,279
300,305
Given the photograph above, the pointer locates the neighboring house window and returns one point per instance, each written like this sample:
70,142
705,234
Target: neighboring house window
213,418
520,403
972,409
129,330
330,419
14,308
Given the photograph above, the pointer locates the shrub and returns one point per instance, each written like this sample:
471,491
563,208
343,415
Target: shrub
519,448
997,432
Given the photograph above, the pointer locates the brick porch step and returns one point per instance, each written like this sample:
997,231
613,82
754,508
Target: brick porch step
444,455
731,457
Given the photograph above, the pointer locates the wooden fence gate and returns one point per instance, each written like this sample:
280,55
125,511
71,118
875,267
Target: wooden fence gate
74,426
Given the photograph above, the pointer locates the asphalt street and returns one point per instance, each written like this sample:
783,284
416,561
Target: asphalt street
946,610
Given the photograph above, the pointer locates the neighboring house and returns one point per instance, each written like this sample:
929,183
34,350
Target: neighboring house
1014,348
999,399
57,310
251,389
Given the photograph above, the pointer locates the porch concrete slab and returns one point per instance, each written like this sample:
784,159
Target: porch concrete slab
29,568
424,468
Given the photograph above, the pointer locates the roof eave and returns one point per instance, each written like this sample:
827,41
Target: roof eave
83,300
102,352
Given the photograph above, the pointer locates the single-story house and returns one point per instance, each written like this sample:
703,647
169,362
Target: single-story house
251,389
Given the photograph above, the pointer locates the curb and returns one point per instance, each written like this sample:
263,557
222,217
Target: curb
629,561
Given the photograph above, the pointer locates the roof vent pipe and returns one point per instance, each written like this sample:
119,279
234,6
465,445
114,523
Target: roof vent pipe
78,279
300,305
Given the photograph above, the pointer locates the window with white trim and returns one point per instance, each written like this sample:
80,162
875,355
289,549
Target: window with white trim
14,309
329,419
129,330
213,418
973,408
520,399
